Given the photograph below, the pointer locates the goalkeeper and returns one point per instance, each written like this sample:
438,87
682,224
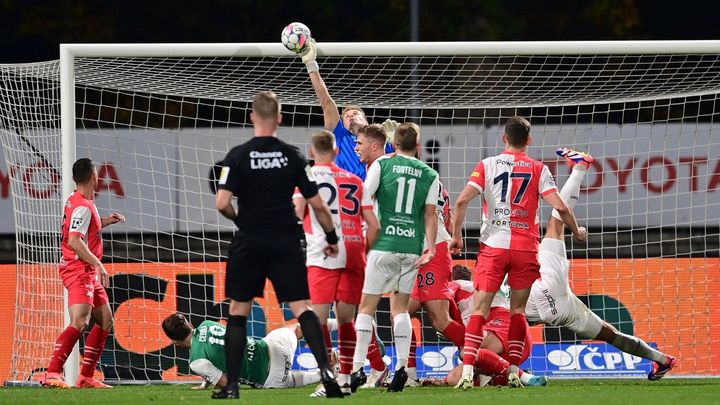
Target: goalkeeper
267,362
345,126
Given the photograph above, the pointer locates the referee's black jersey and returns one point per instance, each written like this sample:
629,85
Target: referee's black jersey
263,173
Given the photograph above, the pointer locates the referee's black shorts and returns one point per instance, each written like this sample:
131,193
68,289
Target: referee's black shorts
255,257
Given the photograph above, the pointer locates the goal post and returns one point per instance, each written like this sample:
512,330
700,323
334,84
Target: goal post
157,118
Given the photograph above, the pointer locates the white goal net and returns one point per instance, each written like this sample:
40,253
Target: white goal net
156,119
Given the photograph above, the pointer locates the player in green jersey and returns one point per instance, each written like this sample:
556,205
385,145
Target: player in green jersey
405,191
267,362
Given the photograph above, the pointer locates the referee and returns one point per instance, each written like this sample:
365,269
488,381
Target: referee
263,173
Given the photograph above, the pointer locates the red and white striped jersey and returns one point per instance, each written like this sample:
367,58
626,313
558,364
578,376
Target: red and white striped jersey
81,218
343,193
511,185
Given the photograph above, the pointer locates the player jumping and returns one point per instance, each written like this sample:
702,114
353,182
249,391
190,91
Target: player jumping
345,126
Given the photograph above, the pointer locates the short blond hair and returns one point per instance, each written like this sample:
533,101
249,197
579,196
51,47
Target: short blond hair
266,105
407,136
376,132
323,142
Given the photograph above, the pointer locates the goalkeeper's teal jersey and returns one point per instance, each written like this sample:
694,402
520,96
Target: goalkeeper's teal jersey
402,186
208,343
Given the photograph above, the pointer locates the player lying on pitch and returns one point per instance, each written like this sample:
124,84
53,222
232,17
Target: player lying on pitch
267,362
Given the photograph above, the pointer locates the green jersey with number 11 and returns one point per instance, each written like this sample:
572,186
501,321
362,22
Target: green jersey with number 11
402,186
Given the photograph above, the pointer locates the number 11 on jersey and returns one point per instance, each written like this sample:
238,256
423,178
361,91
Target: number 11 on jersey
401,194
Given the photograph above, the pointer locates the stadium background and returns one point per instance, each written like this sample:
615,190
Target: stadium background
41,26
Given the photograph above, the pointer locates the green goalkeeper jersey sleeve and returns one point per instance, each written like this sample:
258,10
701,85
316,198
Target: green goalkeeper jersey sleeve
208,343
402,186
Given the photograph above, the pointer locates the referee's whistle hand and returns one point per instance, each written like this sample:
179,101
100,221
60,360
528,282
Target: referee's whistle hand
331,250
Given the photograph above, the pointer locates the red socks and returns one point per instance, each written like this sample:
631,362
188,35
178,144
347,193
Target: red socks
491,363
63,346
376,361
328,341
516,338
347,338
412,360
94,346
456,333
473,339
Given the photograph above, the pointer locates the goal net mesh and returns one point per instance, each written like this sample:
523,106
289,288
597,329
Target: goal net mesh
157,128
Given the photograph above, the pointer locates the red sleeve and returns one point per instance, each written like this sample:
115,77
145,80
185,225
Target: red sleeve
477,177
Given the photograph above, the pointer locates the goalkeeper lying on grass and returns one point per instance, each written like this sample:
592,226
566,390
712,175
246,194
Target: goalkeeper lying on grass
267,362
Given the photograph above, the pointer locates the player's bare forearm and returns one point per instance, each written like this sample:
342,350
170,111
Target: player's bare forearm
461,206
568,217
322,212
114,218
81,249
449,223
431,227
566,213
459,218
330,110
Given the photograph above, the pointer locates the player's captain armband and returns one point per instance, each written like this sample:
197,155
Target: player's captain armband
309,172
224,175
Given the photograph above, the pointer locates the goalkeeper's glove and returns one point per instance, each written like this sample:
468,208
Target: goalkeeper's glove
390,126
308,55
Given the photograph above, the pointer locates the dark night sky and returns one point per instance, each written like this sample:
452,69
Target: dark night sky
30,30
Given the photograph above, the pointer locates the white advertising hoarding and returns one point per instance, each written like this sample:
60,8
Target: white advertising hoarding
644,175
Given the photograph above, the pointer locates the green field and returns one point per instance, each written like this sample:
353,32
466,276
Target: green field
581,392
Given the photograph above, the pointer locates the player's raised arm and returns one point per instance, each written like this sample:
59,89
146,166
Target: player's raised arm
330,110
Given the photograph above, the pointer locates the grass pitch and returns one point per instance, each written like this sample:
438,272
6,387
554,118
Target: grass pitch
580,392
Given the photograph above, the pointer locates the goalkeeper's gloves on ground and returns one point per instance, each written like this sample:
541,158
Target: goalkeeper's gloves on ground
308,55
390,126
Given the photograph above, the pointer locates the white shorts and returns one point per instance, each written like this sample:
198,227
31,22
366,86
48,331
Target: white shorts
390,272
552,302
282,344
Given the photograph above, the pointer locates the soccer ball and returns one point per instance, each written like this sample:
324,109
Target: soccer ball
295,36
